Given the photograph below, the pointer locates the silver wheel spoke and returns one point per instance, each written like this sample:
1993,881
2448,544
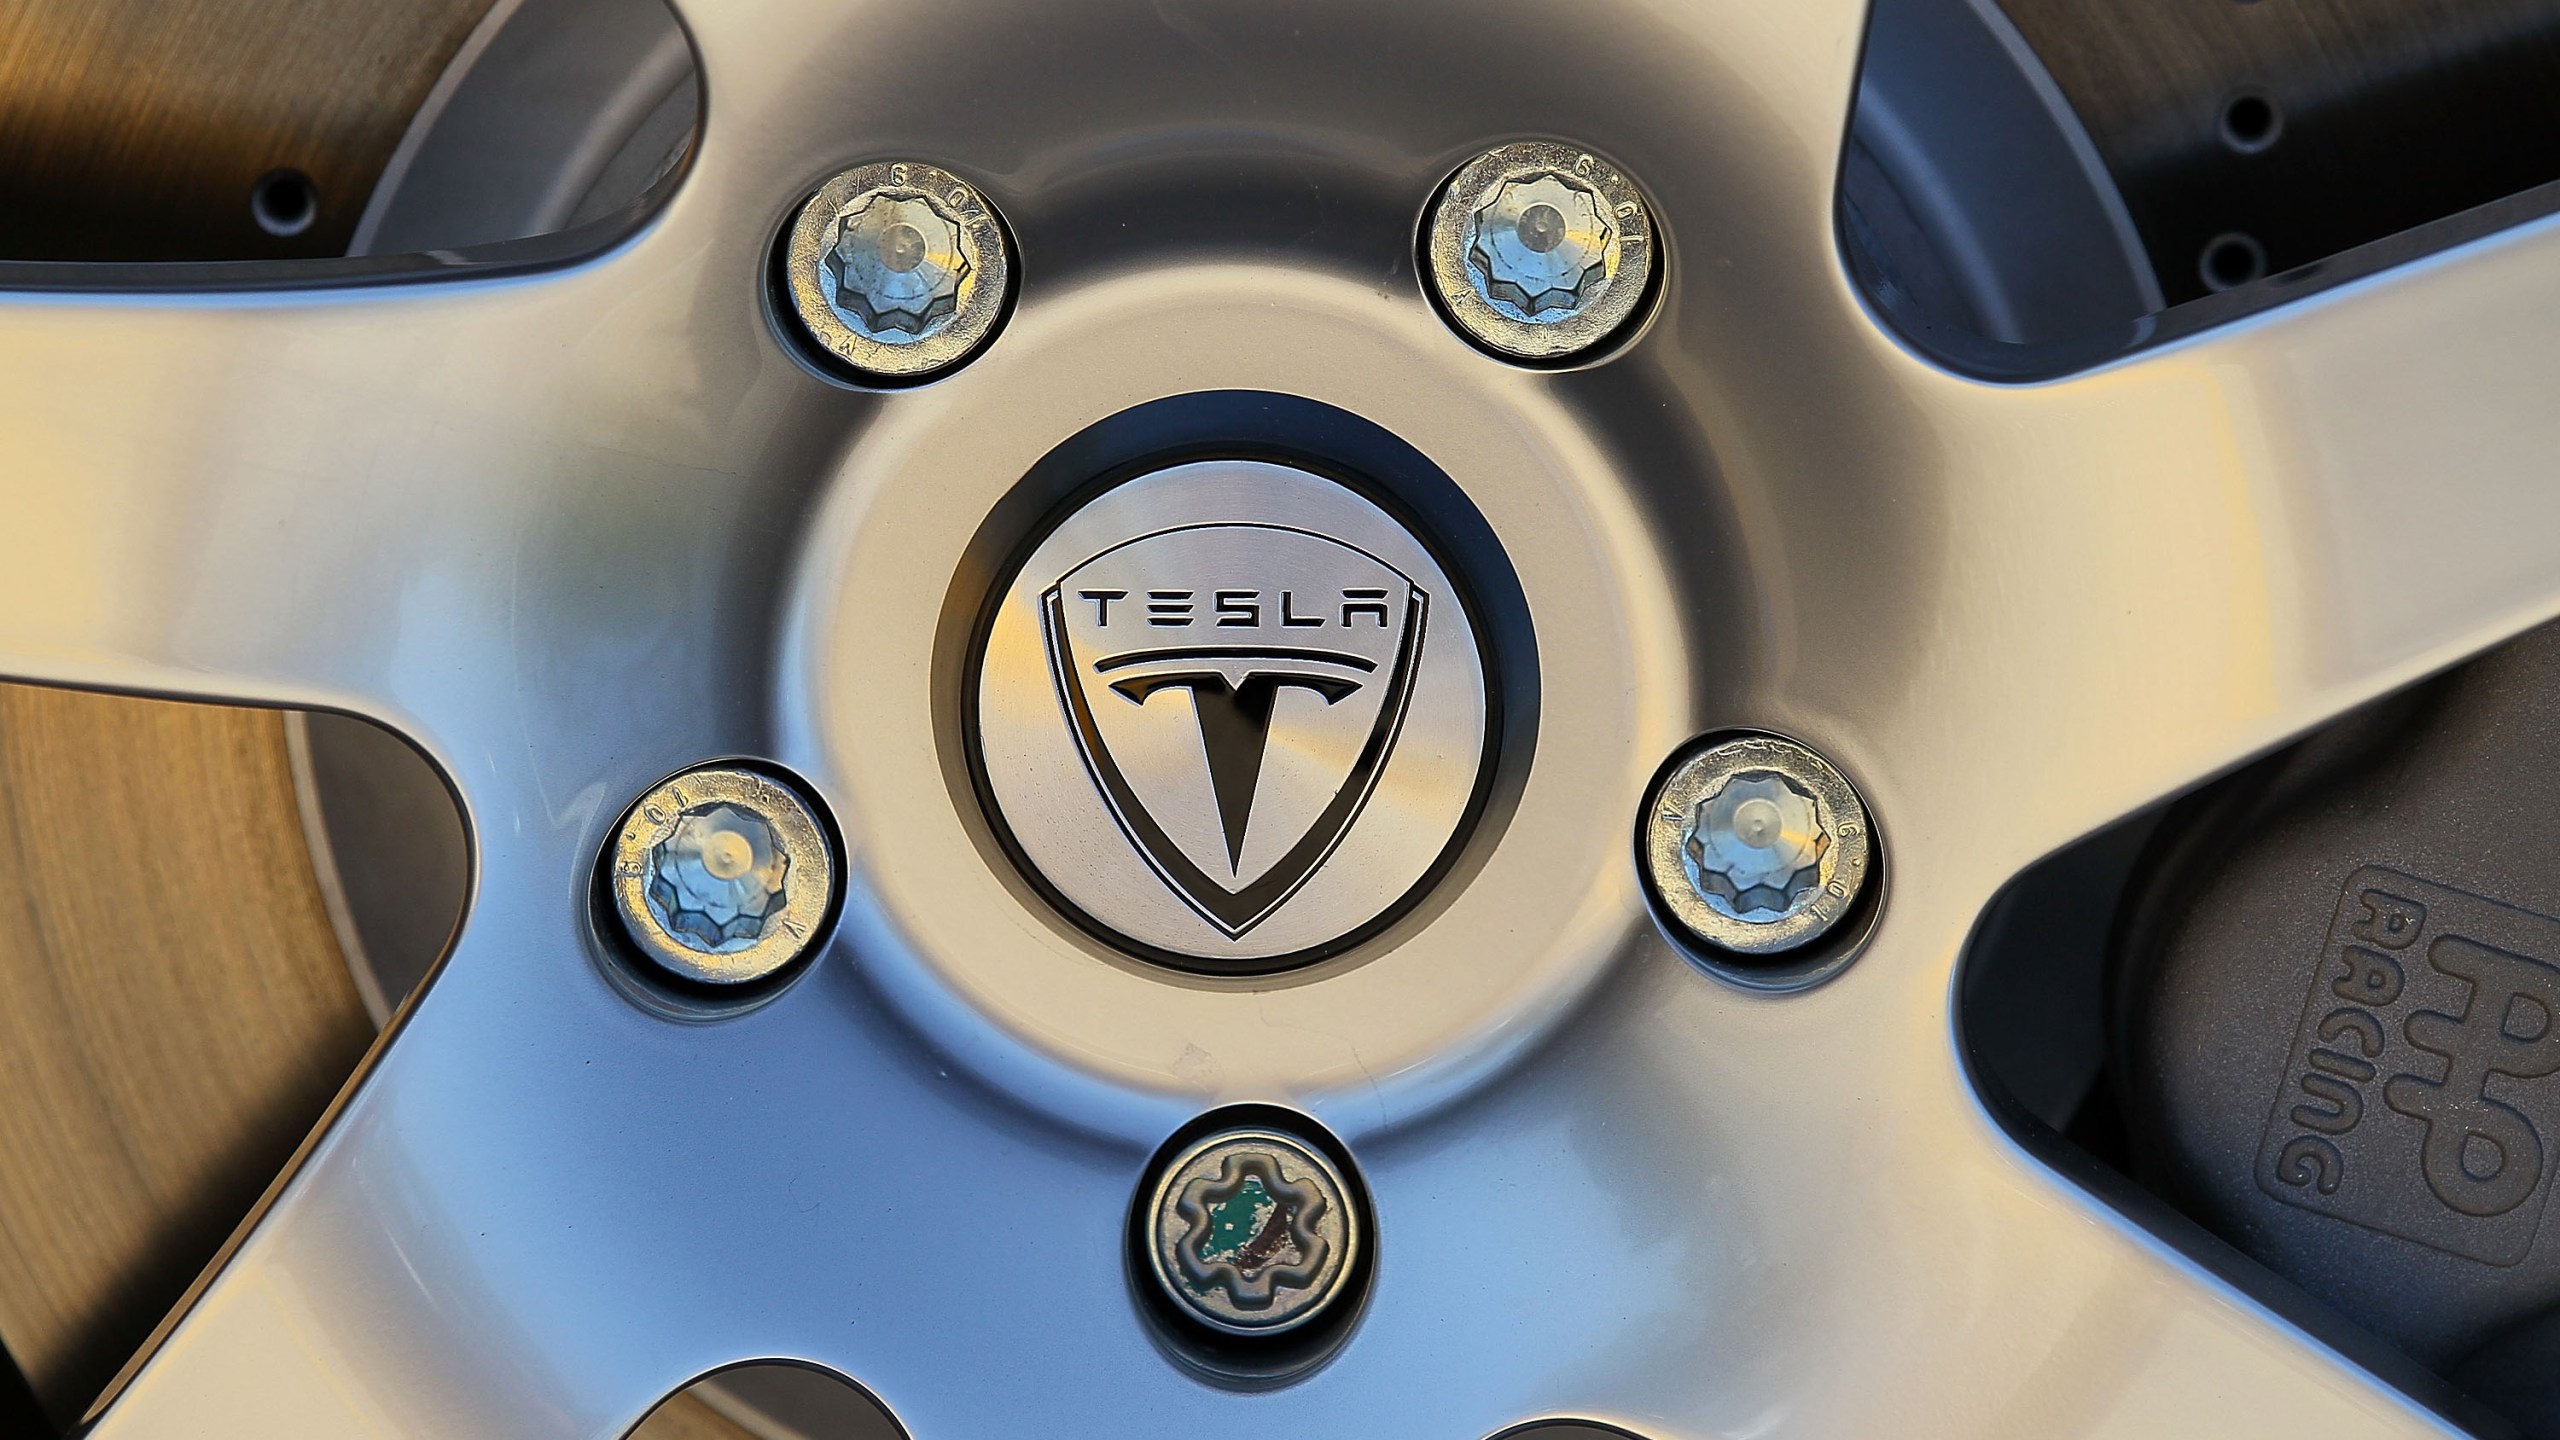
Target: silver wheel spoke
234,496
449,507
2099,591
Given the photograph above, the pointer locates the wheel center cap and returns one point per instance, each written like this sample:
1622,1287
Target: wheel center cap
1232,715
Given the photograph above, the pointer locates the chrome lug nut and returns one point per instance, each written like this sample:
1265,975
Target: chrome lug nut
898,269
1540,252
1757,845
1250,1232
722,876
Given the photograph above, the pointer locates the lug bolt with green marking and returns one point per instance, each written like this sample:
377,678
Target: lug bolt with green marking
1252,1233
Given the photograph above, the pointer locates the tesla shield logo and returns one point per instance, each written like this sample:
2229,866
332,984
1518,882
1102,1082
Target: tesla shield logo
1164,657
1270,693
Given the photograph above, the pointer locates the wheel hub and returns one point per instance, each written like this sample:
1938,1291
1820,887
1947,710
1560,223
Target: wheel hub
1276,692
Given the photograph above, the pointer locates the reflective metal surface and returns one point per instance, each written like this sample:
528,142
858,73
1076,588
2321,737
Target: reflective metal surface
1252,1233
2013,613
897,269
1757,845
1232,711
722,876
1540,251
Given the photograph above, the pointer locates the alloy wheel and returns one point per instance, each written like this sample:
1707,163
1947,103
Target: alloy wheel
578,520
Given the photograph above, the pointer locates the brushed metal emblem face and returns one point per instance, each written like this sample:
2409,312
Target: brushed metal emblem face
1232,713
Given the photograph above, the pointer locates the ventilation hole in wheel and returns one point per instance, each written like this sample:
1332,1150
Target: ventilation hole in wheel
770,1400
284,202
2232,260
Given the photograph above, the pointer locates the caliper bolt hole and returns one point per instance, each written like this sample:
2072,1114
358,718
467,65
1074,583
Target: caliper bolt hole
2251,123
2231,261
284,203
